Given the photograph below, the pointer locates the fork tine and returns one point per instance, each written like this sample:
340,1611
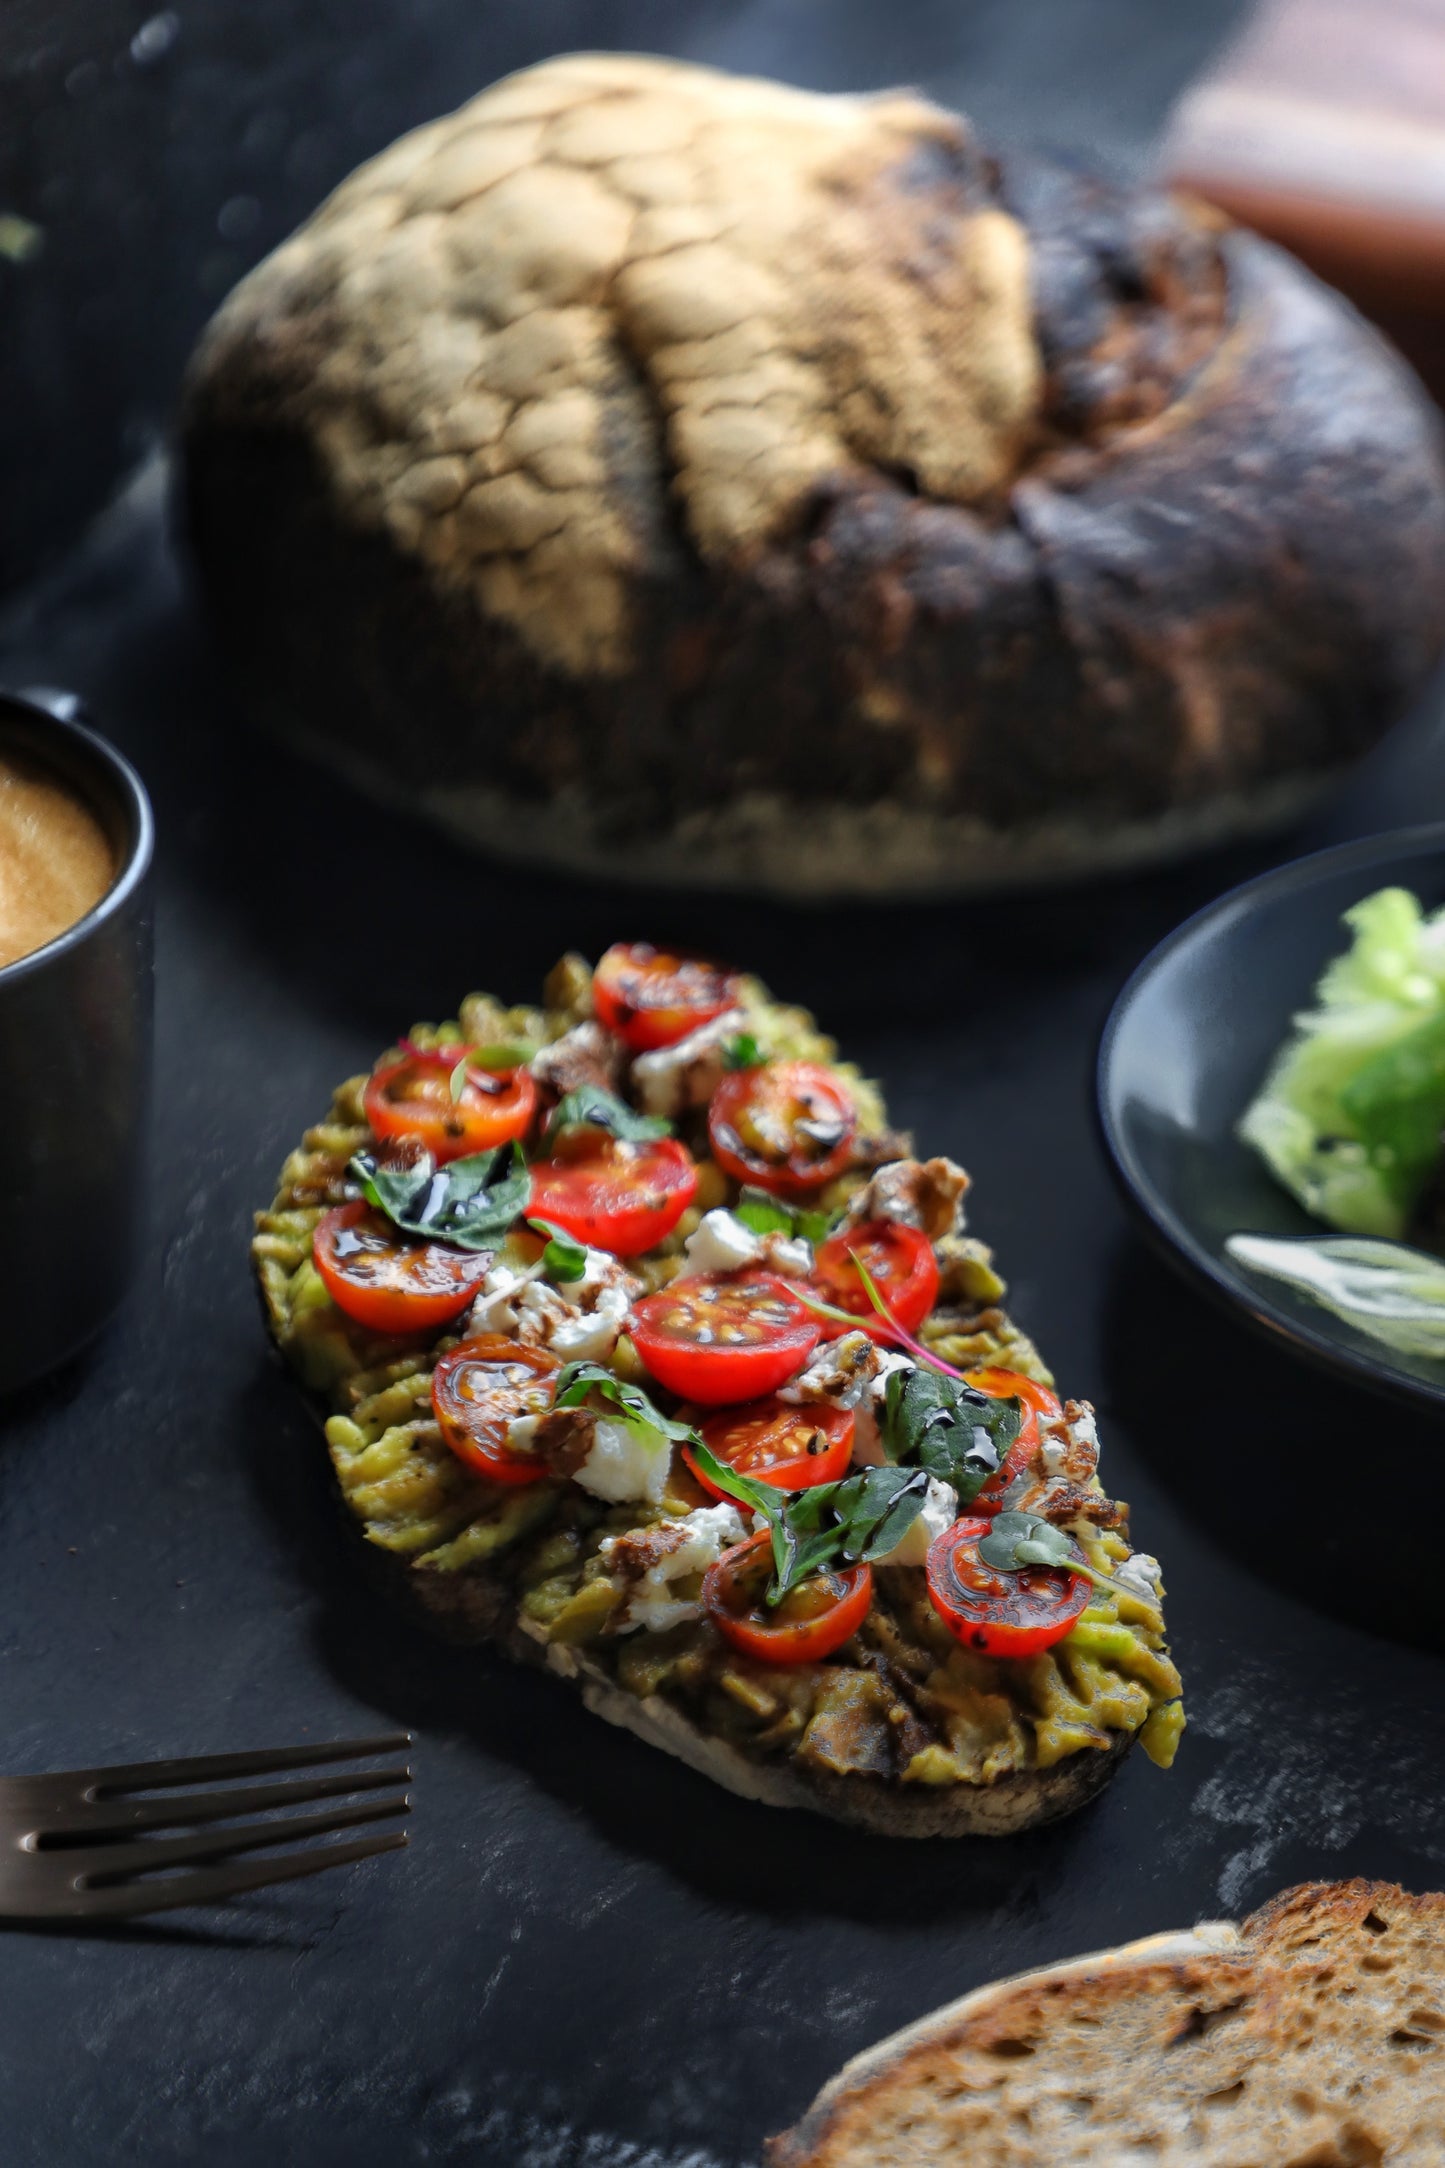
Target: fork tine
124,1816
205,1768
127,1900
90,1865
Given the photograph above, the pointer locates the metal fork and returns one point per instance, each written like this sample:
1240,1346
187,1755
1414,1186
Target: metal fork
74,1844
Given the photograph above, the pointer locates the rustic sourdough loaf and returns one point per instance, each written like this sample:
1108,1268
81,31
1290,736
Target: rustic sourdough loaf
1311,2037
651,470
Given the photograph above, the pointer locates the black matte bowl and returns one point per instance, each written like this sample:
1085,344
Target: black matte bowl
1184,1052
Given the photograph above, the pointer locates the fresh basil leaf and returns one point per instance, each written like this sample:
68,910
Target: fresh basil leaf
947,1427
458,1082
469,1203
576,1380
564,1258
857,1518
743,1052
815,1227
1017,1540
593,1106
763,1214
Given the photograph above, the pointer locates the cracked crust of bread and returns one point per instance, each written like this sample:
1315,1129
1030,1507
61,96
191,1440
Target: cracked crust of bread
701,225
1313,2033
714,482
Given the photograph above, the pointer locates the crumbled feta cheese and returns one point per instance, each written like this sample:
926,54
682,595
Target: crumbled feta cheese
851,1372
1069,1443
672,1078
721,1243
938,1511
625,1463
709,1532
1141,1573
926,1193
522,1432
790,1255
580,1320
587,1054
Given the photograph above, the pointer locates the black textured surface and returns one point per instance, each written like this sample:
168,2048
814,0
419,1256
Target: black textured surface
589,1957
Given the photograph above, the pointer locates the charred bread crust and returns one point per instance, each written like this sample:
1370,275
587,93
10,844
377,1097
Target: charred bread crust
1209,581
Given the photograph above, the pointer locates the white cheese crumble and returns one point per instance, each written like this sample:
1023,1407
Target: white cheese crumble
672,1078
1142,1573
625,1463
580,1320
938,1511
723,1243
851,1372
710,1531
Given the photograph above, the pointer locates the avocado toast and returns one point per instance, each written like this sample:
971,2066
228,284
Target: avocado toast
653,1355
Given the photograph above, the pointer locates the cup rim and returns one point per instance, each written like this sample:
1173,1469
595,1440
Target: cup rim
136,801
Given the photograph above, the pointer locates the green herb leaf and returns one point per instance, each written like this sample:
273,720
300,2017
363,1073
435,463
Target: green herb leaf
763,1214
766,1214
743,1052
576,1380
564,1258
469,1203
858,1518
1017,1540
957,1433
1382,1289
507,1054
593,1106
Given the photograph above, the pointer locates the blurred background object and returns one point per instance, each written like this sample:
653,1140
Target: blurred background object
149,157
1323,126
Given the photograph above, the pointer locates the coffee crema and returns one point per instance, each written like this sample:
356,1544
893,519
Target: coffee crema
55,861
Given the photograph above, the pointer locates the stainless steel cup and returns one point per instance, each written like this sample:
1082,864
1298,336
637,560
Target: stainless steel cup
75,1069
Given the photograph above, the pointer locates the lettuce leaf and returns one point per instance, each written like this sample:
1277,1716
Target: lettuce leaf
1350,1115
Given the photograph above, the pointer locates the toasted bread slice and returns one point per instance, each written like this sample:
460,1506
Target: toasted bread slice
1313,2036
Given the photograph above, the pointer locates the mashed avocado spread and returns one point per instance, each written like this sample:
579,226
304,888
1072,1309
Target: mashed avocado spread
574,1554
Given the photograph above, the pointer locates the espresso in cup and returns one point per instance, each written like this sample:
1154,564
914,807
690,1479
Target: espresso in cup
56,861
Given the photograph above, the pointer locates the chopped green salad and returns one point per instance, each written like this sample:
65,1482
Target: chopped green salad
1350,1116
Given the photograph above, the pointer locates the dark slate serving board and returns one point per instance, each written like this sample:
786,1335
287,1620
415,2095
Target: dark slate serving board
590,1955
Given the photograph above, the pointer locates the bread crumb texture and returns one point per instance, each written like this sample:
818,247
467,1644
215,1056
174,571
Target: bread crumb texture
1316,2039
605,243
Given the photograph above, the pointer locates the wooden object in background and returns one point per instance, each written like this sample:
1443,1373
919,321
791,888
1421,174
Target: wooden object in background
1323,127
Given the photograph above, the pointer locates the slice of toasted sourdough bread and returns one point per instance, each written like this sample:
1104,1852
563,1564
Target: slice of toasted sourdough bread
1311,2037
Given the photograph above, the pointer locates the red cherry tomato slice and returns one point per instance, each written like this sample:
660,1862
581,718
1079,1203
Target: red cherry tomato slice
720,1338
787,1126
999,1614
1037,1400
477,1392
816,1618
654,997
413,1098
611,1195
386,1280
901,1264
774,1442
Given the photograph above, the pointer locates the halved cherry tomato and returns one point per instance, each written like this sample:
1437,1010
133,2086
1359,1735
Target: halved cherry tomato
413,1098
479,1389
384,1279
775,1442
999,1614
1037,1400
723,1337
901,1264
654,997
818,1616
787,1125
611,1195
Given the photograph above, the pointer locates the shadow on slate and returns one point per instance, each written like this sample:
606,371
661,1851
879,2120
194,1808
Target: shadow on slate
732,1852
1329,1493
